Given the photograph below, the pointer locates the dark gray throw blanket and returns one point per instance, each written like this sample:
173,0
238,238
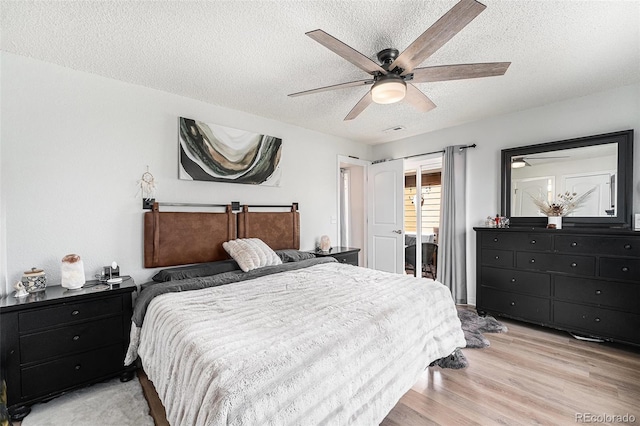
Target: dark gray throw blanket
157,289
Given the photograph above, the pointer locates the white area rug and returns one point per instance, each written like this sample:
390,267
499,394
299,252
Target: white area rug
104,404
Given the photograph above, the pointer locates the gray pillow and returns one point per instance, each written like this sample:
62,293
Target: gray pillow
194,271
292,255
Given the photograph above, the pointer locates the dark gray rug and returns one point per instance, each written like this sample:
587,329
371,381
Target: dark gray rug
473,326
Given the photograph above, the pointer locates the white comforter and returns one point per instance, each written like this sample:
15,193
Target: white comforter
331,344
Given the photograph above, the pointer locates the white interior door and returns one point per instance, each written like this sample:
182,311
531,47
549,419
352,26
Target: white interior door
524,189
386,216
600,200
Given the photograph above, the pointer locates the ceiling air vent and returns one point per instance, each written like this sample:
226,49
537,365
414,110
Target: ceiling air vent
394,129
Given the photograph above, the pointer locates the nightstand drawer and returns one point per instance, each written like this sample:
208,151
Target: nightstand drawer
76,338
351,259
71,371
70,312
598,321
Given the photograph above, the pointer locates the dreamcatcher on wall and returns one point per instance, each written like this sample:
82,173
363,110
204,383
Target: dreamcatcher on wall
147,186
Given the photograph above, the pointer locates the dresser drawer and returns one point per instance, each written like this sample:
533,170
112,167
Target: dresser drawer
578,265
38,319
518,241
611,246
598,321
74,338
514,280
497,258
71,371
516,305
620,268
616,295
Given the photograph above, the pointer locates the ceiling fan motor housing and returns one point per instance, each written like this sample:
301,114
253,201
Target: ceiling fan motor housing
387,56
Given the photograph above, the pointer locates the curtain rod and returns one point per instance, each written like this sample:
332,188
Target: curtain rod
424,153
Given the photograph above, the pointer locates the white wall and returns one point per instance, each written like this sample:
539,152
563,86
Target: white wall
609,111
74,146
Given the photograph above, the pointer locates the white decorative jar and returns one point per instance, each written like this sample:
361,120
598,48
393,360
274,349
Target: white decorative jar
556,221
72,272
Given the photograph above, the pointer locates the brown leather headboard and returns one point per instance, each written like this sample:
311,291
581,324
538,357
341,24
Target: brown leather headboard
280,230
180,238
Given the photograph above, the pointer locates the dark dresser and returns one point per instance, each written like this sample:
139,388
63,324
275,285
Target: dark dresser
585,281
58,339
347,255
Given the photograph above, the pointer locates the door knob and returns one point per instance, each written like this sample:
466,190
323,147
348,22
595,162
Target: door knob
397,231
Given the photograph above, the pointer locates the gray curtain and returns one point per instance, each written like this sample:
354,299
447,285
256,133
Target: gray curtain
452,259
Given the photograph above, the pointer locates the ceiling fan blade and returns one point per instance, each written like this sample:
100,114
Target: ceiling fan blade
459,72
346,52
333,87
360,106
437,35
418,100
545,158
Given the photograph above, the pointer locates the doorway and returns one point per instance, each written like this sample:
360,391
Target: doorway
352,205
422,198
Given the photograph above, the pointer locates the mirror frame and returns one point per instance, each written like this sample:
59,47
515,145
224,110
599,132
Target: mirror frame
622,219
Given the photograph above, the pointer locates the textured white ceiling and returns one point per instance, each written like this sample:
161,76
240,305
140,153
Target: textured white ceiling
248,55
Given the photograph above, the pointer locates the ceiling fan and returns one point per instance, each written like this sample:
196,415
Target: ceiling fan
519,162
393,80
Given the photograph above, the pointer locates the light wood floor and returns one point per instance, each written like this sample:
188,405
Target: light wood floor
530,375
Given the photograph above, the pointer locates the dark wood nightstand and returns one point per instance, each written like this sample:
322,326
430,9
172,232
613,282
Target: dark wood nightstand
341,254
58,339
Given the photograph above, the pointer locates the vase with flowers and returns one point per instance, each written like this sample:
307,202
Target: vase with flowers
564,204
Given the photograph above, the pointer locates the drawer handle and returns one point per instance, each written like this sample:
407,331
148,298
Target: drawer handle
74,313
574,244
574,264
627,246
598,292
513,280
597,319
532,261
625,269
513,303
76,338
533,241
495,240
77,367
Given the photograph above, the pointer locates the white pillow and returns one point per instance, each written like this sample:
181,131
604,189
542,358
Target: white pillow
251,253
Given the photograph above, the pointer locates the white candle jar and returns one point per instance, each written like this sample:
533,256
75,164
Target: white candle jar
72,272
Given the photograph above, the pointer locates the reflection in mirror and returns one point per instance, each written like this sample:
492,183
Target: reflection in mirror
578,170
602,163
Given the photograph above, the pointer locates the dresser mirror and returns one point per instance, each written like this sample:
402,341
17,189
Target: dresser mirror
603,163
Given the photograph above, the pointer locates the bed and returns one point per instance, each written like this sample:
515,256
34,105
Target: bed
303,341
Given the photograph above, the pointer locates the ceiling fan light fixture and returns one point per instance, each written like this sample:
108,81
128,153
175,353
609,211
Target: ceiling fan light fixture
518,163
388,89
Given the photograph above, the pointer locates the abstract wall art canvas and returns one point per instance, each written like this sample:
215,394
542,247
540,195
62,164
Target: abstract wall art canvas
215,153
